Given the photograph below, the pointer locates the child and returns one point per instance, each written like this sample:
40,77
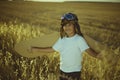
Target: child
70,45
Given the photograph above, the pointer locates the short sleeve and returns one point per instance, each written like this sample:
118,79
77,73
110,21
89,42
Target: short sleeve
82,44
57,46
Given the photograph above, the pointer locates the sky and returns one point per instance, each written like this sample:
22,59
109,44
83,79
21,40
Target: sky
77,0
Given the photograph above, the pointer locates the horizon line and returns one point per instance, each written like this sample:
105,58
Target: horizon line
73,1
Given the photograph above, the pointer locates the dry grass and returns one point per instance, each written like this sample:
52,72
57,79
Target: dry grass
25,20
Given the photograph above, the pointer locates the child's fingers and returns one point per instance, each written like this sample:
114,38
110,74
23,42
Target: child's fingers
100,56
29,49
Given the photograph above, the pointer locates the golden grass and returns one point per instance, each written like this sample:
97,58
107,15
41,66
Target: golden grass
24,20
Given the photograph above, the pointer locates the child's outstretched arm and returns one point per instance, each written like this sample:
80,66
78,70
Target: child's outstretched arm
41,49
91,52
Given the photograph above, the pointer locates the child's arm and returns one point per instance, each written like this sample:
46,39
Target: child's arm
41,49
91,52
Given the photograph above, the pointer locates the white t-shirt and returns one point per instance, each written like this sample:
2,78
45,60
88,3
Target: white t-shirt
71,49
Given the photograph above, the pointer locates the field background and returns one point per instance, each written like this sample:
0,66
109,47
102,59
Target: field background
24,20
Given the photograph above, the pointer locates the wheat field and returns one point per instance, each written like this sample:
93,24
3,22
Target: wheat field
24,20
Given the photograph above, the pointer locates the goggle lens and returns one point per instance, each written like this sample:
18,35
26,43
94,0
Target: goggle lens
67,17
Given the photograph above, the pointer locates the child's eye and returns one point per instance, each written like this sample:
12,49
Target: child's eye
67,25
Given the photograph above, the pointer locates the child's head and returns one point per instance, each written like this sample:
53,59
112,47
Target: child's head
69,19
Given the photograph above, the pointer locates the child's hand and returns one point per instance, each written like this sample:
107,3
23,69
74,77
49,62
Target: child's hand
29,49
32,50
100,56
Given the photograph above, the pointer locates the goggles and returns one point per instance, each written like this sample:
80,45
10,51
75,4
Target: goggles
68,17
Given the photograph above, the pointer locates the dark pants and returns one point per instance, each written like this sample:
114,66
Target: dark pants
70,76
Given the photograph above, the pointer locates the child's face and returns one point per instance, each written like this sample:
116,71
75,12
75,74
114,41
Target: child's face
69,29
